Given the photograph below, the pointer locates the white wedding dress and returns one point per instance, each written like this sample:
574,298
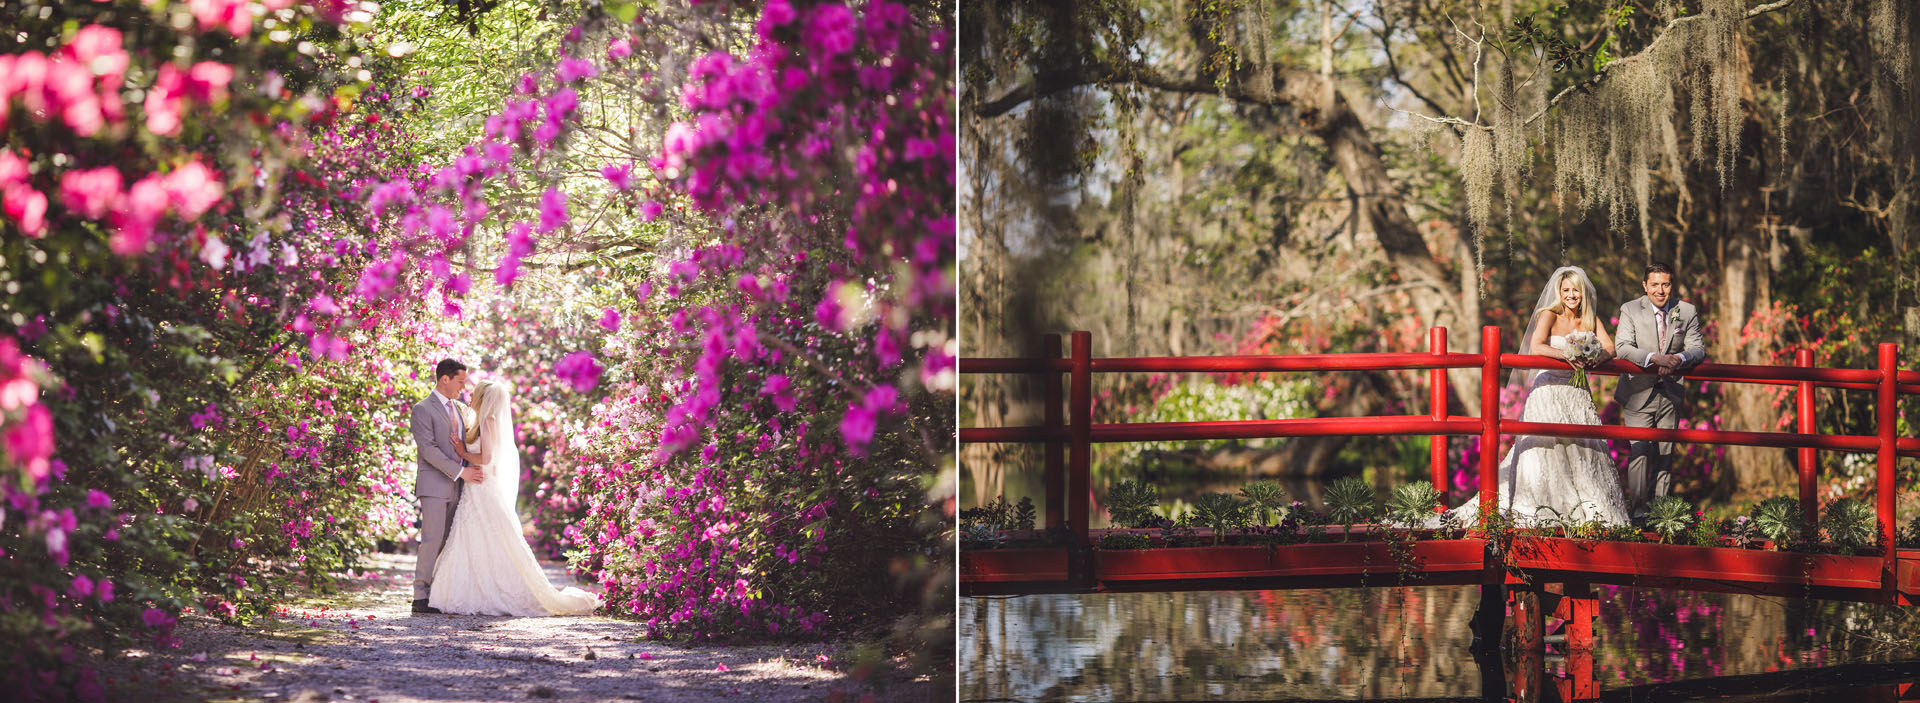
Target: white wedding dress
486,567
1556,478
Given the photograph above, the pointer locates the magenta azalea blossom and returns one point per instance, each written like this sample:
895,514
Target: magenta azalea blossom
610,320
580,370
830,30
571,70
620,176
553,210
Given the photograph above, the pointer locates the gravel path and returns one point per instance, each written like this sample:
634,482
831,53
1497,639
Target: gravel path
364,645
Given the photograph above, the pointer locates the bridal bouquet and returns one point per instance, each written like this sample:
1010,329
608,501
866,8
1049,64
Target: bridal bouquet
1583,346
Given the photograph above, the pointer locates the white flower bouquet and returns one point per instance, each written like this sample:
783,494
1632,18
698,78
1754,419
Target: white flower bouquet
1585,347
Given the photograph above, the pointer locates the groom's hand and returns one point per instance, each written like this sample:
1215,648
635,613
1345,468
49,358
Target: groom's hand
473,474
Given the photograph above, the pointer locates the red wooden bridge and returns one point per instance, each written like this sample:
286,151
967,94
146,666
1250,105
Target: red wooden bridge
1532,575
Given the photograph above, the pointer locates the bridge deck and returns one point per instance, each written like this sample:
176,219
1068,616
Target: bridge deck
1433,562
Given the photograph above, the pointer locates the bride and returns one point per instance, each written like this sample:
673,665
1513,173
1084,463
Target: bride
1544,478
487,567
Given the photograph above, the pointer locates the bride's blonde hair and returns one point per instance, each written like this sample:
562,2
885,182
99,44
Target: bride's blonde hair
1588,321
481,395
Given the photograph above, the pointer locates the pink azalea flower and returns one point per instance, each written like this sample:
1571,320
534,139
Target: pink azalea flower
776,14
830,30
620,176
780,388
207,81
580,370
194,189
519,245
610,320
90,193
105,591
136,214
30,443
13,169
619,49
650,210
862,418
99,500
886,348
163,101
571,70
27,208
82,586
214,252
553,210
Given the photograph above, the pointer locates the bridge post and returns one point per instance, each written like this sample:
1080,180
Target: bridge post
1437,398
1490,619
1056,450
1809,500
1529,642
1080,453
1887,409
1489,421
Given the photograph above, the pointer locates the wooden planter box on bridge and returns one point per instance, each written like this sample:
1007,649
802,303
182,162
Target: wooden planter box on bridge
1281,565
1014,565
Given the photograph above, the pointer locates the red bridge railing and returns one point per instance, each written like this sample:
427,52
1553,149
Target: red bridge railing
1068,441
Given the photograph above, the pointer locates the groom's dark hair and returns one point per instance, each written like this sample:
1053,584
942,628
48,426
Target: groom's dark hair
1657,267
448,368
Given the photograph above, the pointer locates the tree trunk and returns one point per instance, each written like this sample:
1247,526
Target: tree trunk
1749,473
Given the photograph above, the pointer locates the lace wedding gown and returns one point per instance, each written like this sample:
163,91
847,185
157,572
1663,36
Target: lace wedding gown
1544,478
486,567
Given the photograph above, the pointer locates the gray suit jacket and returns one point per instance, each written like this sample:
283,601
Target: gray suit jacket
438,467
1637,340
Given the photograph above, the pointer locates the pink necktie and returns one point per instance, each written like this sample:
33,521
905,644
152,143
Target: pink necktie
452,418
1660,322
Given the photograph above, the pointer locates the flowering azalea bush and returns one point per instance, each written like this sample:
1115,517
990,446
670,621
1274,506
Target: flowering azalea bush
230,266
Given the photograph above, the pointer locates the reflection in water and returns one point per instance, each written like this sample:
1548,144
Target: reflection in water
1378,643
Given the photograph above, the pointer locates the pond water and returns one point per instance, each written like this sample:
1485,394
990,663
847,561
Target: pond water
1414,643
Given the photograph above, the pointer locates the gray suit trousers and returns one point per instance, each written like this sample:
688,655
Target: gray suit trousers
436,520
1649,464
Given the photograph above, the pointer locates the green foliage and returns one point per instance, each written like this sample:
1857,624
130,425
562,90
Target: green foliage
1024,514
996,516
1262,399
1412,503
1851,524
1778,518
1670,516
1222,511
980,536
1130,503
1268,499
1350,500
1125,540
1910,537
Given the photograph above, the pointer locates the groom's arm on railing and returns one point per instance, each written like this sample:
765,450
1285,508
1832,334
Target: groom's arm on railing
1624,345
1695,350
430,452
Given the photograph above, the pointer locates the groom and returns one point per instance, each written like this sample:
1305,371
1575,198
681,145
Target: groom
437,482
1661,334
